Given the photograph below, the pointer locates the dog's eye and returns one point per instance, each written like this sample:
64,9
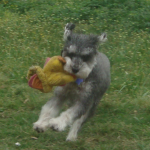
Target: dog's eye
70,55
86,57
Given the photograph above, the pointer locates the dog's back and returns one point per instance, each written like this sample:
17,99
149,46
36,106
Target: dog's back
101,73
100,79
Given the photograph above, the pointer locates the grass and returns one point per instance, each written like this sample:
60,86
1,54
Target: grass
32,30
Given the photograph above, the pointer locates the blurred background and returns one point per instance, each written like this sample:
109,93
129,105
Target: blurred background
32,30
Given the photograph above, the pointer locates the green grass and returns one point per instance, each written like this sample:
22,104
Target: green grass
32,30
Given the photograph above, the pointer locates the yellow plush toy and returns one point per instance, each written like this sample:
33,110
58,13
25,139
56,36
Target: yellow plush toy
53,74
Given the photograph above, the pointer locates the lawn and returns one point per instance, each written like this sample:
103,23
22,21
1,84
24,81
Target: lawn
32,30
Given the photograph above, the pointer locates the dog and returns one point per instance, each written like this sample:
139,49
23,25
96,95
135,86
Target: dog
85,62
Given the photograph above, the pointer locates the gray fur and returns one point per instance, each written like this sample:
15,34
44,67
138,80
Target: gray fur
86,63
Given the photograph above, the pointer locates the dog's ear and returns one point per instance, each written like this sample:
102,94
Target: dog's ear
68,31
102,38
70,26
63,53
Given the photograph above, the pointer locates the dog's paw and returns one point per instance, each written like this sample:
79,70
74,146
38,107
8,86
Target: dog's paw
71,138
40,127
57,124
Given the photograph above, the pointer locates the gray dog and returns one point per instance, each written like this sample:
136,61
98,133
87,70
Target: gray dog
85,62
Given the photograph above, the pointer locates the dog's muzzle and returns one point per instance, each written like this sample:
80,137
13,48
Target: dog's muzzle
75,70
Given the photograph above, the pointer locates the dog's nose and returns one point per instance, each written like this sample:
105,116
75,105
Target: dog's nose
74,70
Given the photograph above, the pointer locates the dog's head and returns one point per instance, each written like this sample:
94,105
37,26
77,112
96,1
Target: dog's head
80,51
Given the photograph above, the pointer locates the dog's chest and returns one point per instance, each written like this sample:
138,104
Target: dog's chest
72,89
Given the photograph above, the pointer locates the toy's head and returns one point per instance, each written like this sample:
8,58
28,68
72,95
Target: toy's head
54,64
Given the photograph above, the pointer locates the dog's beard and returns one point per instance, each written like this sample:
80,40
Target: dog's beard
84,70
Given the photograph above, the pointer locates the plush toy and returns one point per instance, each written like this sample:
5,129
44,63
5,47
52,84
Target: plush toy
53,74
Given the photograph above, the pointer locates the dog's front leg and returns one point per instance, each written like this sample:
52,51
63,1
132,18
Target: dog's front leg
49,110
69,116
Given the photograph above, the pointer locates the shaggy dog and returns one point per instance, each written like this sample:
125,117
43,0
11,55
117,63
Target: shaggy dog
85,62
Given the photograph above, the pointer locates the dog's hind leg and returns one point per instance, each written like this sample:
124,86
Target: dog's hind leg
49,110
73,133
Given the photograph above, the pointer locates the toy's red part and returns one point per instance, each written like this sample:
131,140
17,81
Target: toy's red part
31,80
34,81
